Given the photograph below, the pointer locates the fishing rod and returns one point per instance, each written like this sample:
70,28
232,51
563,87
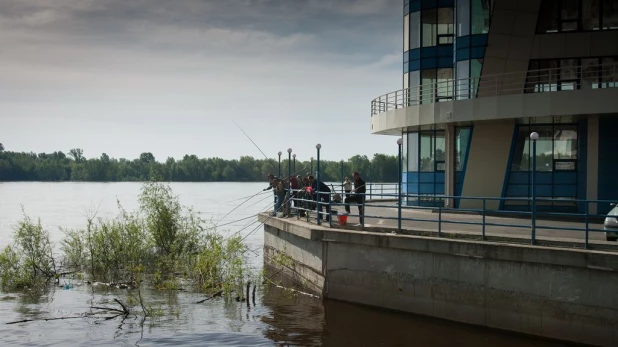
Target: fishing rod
256,146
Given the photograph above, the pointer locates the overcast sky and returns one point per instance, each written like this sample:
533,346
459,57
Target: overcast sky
171,77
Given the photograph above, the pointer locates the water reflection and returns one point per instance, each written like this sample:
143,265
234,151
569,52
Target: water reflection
301,320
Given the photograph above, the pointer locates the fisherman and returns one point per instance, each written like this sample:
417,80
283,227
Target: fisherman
294,187
282,197
358,197
347,187
271,184
321,193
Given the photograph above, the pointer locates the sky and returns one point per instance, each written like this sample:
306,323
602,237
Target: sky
180,77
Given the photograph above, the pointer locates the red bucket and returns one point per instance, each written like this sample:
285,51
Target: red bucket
343,219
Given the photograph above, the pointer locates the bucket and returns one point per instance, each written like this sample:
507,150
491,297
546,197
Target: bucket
280,214
343,219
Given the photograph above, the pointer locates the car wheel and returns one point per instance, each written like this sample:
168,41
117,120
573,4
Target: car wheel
610,238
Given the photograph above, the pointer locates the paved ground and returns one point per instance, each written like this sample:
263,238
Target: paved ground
427,220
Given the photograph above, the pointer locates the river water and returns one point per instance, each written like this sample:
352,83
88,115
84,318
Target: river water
276,318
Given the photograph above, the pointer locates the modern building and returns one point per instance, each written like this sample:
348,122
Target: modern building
479,76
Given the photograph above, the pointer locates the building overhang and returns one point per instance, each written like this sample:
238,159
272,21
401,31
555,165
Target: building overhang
564,103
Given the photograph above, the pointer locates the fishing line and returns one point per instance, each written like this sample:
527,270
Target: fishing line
256,146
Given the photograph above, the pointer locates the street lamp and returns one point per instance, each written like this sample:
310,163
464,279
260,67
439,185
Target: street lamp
317,186
289,162
279,163
399,174
533,136
294,157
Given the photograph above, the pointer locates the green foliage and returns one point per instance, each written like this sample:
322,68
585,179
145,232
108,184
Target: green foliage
57,166
29,262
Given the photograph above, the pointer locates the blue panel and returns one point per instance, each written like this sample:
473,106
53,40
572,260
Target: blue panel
517,191
565,177
445,51
462,42
477,53
406,56
519,177
429,4
415,65
429,63
429,52
543,177
562,190
427,188
478,40
608,161
415,5
544,190
406,8
426,177
415,53
445,62
413,177
440,178
446,3
462,54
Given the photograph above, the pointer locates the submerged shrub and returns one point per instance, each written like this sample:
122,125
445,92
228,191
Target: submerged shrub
29,262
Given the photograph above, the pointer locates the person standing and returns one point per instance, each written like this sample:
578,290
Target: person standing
321,193
358,197
347,188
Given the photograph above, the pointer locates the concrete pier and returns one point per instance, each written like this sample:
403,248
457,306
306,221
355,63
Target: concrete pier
559,293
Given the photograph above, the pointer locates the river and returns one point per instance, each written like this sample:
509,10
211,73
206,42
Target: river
277,318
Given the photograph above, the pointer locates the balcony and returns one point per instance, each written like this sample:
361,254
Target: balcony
589,89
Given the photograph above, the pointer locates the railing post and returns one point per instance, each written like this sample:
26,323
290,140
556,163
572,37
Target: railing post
483,230
586,217
330,212
533,136
439,221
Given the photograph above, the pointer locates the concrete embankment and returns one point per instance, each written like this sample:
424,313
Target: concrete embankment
559,293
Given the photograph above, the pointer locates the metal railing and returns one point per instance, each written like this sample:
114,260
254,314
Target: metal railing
529,81
526,225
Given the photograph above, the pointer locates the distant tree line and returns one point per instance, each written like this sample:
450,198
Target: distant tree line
74,166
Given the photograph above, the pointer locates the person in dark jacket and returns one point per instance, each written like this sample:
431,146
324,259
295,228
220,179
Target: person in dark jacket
358,197
321,193
272,179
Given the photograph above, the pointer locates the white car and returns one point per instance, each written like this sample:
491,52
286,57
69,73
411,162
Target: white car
611,224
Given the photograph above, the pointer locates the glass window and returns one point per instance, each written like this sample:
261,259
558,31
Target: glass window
446,29
461,147
412,151
610,14
414,87
427,152
569,15
548,16
463,17
463,83
440,144
609,72
590,15
476,66
415,30
565,142
429,18
590,73
406,33
544,148
480,17
444,86
427,90
568,74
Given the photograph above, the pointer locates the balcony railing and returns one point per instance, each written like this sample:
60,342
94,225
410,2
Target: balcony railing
530,81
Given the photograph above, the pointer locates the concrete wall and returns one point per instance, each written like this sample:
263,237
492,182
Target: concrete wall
565,294
487,162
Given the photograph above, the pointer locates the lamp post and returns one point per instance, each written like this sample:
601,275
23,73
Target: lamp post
279,163
533,136
317,186
399,145
289,162
311,171
294,168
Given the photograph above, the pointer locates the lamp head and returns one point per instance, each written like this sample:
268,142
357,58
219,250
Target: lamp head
534,136
294,155
399,141
279,153
318,146
289,151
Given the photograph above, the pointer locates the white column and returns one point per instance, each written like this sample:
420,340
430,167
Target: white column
592,162
449,163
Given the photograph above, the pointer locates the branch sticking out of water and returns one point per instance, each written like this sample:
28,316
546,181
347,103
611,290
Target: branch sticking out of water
219,293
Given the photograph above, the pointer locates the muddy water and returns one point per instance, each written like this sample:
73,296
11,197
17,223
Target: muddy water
276,318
